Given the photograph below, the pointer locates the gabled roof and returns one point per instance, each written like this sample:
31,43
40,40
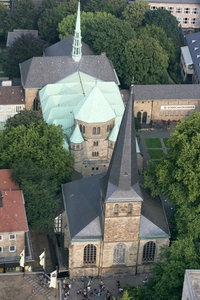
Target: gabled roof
64,48
12,95
12,212
40,71
94,108
193,43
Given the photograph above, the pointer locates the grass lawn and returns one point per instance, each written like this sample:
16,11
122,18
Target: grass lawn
156,154
165,140
153,143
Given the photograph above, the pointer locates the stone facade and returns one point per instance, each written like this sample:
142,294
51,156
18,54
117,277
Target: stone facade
12,239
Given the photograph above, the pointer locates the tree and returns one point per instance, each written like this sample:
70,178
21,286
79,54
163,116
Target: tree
134,13
114,7
24,15
146,61
5,21
22,49
51,17
40,165
24,117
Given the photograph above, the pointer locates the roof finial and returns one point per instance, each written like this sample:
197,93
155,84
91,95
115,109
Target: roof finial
77,46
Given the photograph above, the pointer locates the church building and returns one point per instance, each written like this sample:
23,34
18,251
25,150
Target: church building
111,226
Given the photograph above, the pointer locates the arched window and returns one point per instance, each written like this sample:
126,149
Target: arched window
130,208
90,253
139,116
119,254
98,130
149,252
94,130
116,209
83,129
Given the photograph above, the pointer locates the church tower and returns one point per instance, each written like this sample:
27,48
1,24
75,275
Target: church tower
122,201
77,45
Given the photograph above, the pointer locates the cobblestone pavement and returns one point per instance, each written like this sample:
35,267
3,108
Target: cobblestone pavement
109,283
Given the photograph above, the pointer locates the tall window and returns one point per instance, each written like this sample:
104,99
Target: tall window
116,209
82,128
90,253
95,143
130,208
96,130
119,254
149,252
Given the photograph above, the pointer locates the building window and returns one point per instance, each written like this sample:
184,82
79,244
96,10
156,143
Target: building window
1,237
179,19
195,10
178,10
95,143
98,130
187,10
153,7
90,253
12,236
194,21
12,248
1,249
185,20
119,254
95,154
149,252
171,9
130,208
82,128
116,209
58,224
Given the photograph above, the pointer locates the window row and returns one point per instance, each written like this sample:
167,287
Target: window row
11,249
129,209
193,21
11,237
179,10
95,130
90,253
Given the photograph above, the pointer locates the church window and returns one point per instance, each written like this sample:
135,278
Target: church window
98,130
149,252
95,143
90,252
95,154
108,128
130,208
119,254
82,128
116,209
94,130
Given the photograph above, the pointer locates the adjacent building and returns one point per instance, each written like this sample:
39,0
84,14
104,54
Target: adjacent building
191,285
14,231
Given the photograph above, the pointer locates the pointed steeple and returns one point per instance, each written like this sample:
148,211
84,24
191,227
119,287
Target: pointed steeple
122,175
77,46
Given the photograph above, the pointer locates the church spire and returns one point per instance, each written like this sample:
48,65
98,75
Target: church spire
77,46
122,174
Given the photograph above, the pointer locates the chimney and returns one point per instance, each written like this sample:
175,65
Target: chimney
1,199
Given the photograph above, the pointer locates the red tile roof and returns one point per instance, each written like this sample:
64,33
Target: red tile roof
12,212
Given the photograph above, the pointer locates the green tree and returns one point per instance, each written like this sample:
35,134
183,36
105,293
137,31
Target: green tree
51,17
22,49
24,117
24,15
40,165
146,61
135,13
5,21
114,7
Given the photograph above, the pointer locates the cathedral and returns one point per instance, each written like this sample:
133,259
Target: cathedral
111,226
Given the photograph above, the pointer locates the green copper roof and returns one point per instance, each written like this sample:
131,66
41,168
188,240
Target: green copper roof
76,136
97,103
66,100
114,133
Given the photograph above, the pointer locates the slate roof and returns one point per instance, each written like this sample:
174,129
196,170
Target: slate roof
12,95
12,212
17,33
193,43
64,48
167,92
82,198
40,71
